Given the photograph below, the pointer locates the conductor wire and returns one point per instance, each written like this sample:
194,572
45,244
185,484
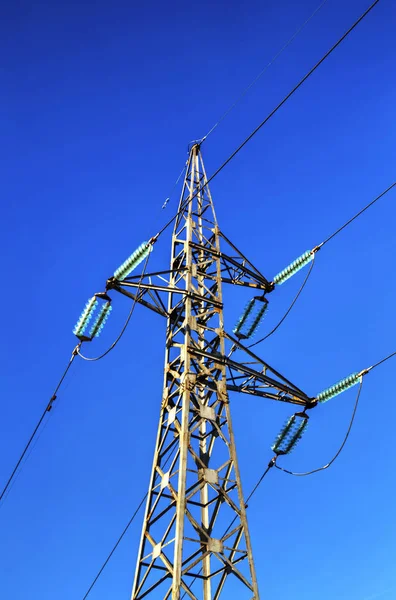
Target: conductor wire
35,430
340,449
275,110
267,66
289,309
114,344
355,216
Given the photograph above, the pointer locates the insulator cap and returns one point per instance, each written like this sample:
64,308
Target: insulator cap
295,266
339,387
133,261
251,318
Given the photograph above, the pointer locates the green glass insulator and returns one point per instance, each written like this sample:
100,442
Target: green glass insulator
294,267
133,261
85,317
338,388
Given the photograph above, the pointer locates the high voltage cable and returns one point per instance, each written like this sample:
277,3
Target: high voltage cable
251,84
340,449
47,409
356,216
316,249
267,66
115,547
113,345
364,372
380,362
288,310
165,204
254,490
210,179
76,352
275,110
120,538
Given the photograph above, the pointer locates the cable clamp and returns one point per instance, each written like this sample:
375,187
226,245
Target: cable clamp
49,407
153,239
364,372
77,348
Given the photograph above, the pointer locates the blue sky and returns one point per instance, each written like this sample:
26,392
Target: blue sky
99,102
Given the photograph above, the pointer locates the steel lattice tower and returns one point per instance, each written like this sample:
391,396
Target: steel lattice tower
195,539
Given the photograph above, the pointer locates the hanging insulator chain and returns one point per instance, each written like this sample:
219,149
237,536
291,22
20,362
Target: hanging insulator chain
291,433
100,320
85,317
87,314
251,317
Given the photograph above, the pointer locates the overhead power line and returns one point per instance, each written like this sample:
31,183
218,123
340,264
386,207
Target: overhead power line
267,66
380,362
333,235
316,249
105,563
275,110
340,449
113,345
165,204
48,408
364,372
76,350
254,490
115,547
296,297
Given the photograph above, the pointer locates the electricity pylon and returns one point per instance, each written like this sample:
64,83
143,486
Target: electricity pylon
195,540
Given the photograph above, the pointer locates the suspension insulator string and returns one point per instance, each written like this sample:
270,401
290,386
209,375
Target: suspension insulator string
101,320
291,434
251,318
85,317
87,314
